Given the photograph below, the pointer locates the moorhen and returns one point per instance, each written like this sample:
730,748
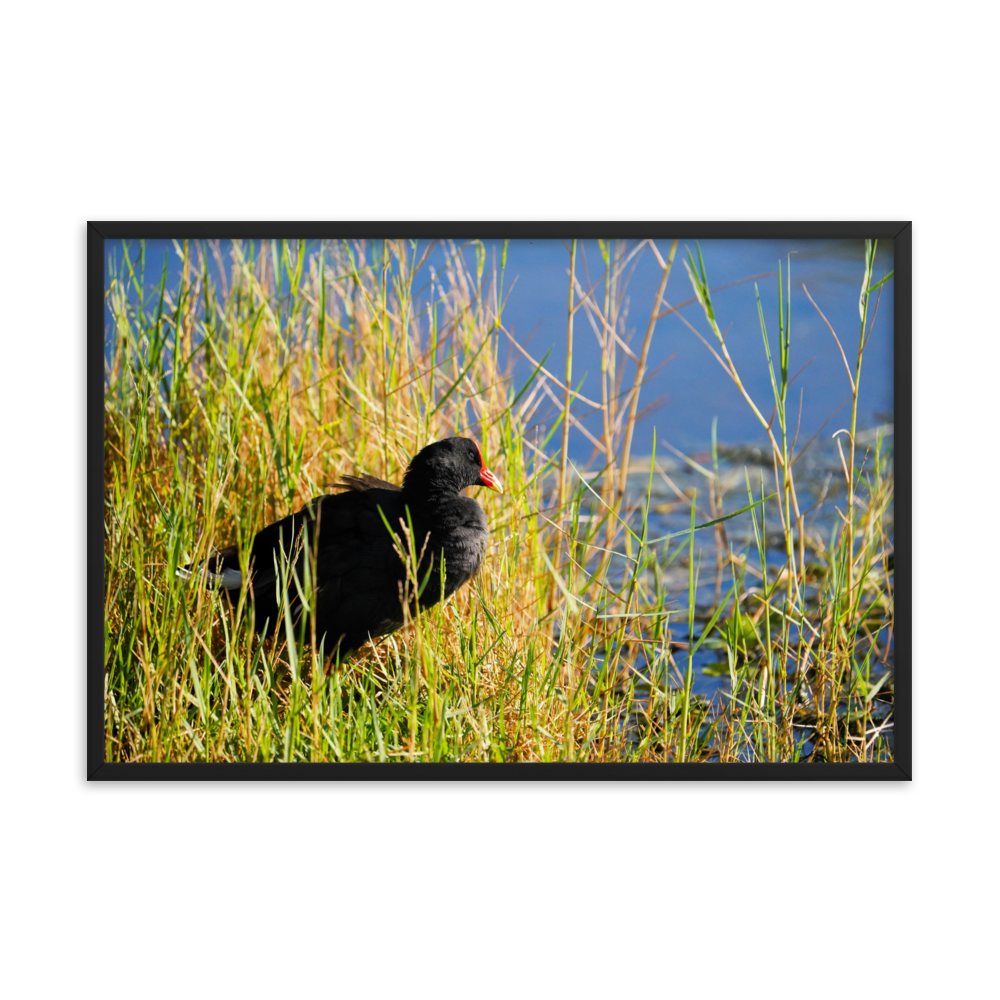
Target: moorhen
357,574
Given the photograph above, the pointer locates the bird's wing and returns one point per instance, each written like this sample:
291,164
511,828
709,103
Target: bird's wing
342,543
363,482
358,571
352,562
276,549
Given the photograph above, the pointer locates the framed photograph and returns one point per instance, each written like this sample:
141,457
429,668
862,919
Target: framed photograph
612,501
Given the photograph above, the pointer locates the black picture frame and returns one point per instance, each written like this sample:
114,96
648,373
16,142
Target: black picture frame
97,769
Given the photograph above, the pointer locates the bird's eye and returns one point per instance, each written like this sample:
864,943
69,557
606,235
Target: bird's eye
472,455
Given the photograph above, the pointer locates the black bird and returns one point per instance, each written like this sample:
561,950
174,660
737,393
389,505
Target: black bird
343,543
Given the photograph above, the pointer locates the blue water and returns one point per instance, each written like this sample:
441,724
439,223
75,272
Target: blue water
693,386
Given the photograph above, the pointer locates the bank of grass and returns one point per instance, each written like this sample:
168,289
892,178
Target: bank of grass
239,392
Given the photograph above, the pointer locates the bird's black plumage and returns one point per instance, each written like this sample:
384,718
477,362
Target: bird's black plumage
343,544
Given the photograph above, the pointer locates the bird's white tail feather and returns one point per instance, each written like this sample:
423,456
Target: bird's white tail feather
228,579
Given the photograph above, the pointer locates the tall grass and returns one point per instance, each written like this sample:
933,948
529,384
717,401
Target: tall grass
246,388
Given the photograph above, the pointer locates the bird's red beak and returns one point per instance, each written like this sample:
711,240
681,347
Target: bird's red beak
486,478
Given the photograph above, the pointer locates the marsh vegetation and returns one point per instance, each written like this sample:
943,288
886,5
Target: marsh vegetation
732,606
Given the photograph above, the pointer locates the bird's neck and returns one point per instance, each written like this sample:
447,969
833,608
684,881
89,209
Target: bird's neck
422,493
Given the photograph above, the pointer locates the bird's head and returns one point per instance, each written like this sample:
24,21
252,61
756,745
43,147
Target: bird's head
449,466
